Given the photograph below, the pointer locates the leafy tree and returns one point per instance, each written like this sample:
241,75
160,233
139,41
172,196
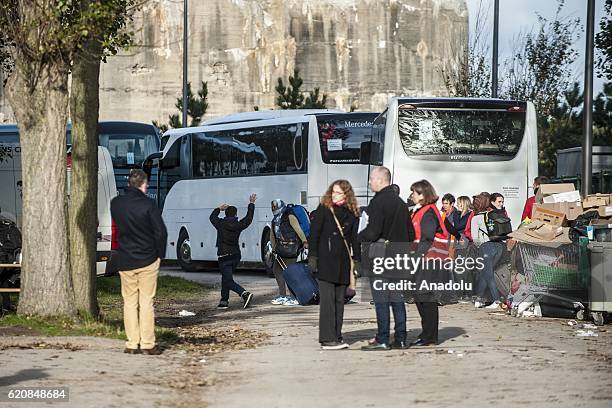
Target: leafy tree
291,96
468,74
540,69
106,24
40,43
563,129
603,41
38,39
196,108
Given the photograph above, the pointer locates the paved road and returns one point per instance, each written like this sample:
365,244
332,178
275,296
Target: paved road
485,359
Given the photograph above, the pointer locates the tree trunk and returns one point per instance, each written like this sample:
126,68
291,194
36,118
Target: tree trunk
41,111
82,212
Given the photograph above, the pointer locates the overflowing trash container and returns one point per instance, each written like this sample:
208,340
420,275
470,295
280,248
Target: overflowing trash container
549,281
562,259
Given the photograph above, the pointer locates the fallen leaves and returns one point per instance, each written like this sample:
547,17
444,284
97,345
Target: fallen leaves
210,340
42,345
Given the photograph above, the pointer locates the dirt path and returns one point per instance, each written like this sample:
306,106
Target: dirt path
484,359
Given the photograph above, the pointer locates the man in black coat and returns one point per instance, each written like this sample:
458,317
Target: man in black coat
228,248
142,240
388,220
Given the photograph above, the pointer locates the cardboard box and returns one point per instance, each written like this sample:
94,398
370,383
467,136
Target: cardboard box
596,200
544,232
571,210
567,197
605,210
549,189
521,235
546,216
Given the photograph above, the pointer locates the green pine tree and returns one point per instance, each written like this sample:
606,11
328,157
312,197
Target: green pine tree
292,97
196,109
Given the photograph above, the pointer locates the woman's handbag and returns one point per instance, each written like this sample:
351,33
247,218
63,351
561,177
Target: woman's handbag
352,278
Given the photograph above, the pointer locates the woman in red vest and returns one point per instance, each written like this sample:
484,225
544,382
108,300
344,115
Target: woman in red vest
432,243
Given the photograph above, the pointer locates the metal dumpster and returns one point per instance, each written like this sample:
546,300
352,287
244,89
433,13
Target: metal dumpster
600,287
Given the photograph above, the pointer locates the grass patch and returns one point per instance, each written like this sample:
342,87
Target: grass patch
110,323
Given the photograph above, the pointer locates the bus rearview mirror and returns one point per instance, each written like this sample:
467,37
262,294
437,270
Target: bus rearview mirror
149,162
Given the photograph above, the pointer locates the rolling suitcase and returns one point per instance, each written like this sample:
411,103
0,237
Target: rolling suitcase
300,282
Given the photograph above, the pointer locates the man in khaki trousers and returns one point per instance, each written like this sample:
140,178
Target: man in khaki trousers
142,240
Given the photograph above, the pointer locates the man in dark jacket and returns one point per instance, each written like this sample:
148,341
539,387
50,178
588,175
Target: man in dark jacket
142,240
388,220
228,248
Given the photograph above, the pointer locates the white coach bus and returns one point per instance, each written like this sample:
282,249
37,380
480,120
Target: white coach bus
276,154
463,146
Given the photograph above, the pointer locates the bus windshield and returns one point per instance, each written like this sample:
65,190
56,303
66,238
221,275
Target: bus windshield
433,131
341,135
128,149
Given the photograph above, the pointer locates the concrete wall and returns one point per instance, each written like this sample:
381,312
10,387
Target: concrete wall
359,52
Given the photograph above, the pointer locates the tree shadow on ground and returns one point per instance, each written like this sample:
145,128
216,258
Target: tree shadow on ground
444,334
23,375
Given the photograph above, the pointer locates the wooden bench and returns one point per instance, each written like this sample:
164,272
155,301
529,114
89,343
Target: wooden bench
10,290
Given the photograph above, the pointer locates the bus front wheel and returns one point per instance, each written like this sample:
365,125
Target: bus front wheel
267,258
183,253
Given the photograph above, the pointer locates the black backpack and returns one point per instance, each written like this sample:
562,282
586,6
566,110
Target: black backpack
10,240
498,225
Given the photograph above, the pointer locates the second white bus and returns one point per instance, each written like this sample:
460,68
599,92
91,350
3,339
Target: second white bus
463,146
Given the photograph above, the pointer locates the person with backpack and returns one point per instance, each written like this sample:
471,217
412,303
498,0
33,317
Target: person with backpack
334,252
288,239
487,228
228,248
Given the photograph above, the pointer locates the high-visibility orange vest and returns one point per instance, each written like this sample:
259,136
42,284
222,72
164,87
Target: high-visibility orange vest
439,248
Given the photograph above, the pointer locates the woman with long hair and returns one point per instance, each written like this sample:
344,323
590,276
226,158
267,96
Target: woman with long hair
432,238
491,253
464,246
333,250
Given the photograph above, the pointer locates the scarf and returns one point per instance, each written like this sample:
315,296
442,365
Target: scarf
278,214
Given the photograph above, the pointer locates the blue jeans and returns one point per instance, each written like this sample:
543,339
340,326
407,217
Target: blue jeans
383,320
383,300
491,253
227,268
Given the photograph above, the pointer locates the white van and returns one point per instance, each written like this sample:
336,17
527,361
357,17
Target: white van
107,190
11,188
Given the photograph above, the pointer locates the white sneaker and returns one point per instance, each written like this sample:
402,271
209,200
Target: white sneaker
478,304
279,300
291,302
334,346
493,306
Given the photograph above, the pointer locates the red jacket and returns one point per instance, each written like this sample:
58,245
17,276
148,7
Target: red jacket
528,210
